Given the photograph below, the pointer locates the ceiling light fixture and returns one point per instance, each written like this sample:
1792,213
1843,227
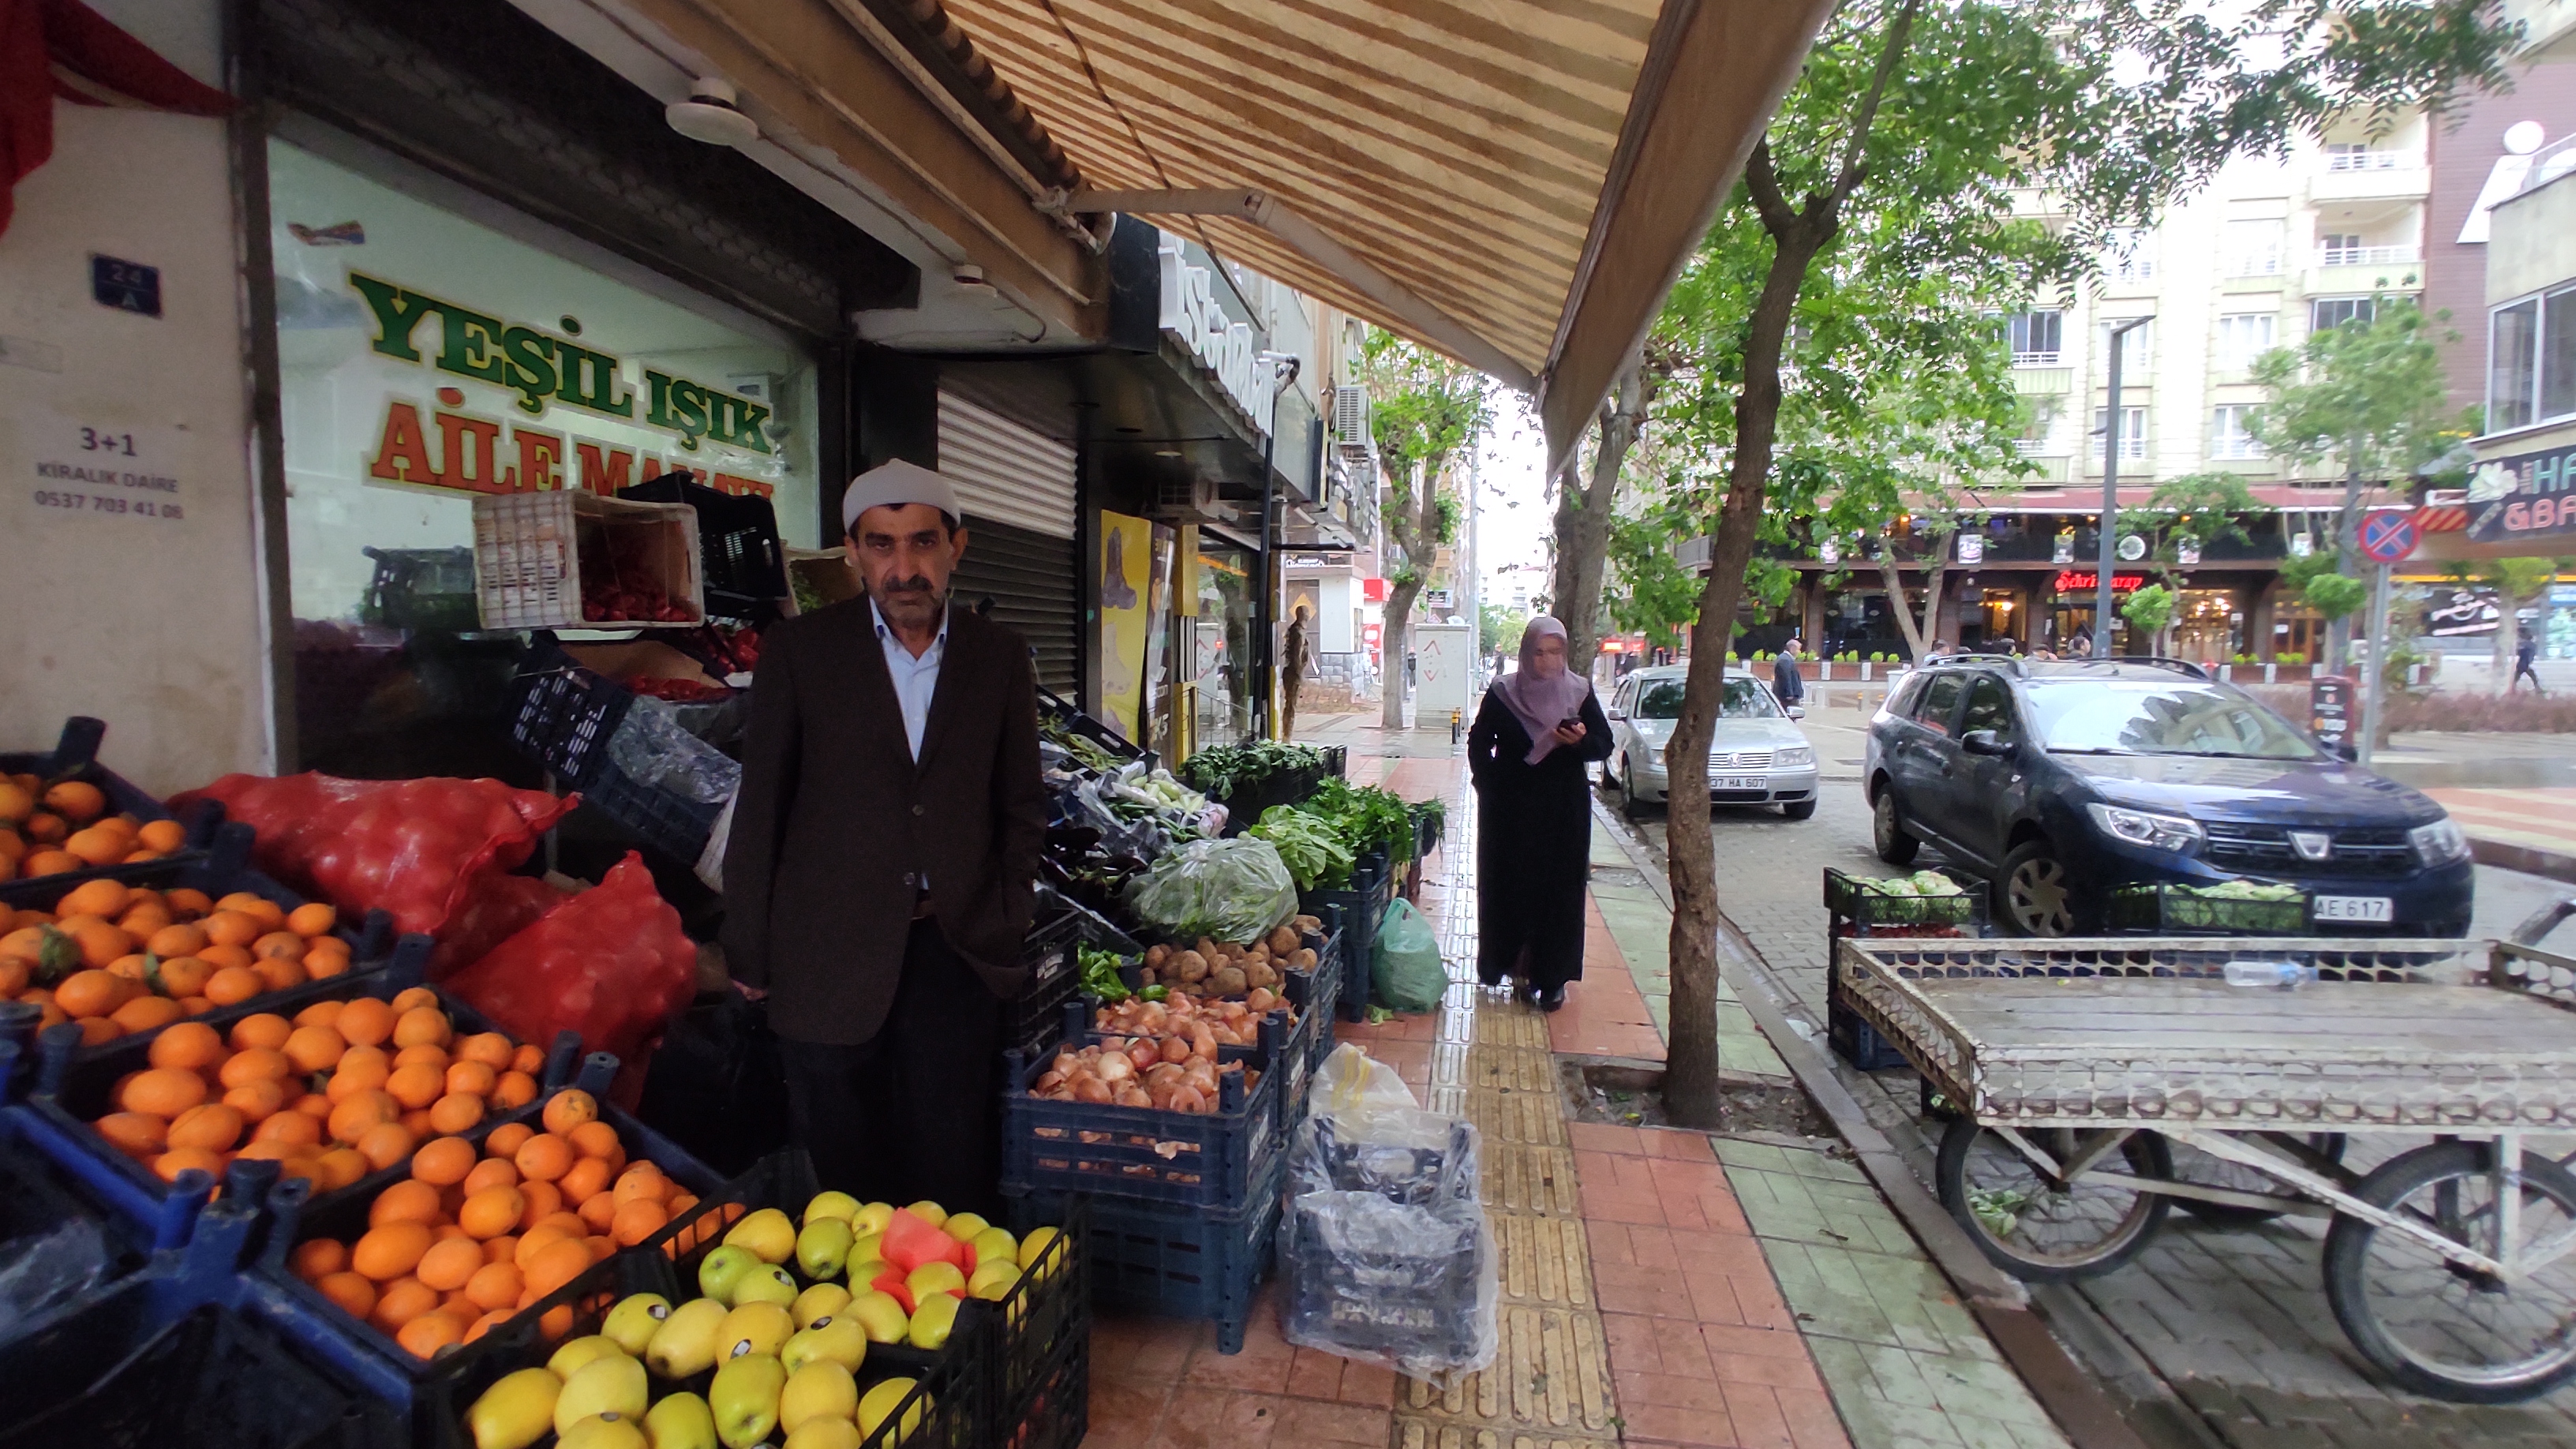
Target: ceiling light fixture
710,115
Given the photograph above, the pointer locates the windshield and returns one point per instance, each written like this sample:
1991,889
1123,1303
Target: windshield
2161,717
1745,699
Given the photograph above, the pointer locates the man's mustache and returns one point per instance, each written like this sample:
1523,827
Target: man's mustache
907,586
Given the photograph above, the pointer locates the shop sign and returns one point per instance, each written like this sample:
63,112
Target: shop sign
466,452
2063,551
2085,581
542,367
1225,347
1972,548
1373,591
2132,547
2330,708
2523,497
2186,552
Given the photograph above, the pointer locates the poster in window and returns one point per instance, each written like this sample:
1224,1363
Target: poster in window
1126,555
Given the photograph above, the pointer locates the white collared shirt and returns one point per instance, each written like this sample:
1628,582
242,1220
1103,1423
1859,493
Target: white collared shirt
915,680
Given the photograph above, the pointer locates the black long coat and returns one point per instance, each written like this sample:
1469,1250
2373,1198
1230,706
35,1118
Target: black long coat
1533,844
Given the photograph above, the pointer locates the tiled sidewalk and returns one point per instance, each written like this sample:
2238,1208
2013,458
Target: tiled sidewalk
1658,1287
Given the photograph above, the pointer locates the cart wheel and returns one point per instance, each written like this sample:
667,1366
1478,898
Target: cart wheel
2038,1230
2194,1165
2444,1330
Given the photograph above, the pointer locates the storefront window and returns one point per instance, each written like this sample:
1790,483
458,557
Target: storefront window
1221,660
426,359
2208,625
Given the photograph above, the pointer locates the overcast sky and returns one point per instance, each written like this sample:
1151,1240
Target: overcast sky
1512,530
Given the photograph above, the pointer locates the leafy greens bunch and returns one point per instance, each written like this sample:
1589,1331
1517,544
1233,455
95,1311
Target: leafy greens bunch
1312,845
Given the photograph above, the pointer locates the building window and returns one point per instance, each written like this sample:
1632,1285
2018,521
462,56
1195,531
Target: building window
2231,432
2327,312
2336,248
2531,368
2242,337
2035,337
2039,435
2131,251
2133,431
2137,350
2253,248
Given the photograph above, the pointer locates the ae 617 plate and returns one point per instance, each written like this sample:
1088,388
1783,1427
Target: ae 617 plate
2367,909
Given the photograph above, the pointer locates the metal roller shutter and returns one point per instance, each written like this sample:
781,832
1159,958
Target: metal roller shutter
1032,581
1017,486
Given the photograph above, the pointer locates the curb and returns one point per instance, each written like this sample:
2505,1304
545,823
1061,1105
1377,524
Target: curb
2529,859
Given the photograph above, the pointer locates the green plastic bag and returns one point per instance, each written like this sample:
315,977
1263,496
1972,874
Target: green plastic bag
1406,967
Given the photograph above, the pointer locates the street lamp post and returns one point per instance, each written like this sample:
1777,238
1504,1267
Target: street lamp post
2110,495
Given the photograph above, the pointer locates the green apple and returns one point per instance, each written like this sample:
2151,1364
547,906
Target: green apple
609,1384
823,1246
681,1421
820,1301
754,1328
768,1233
839,1339
831,1205
820,1390
871,1218
766,1283
880,1317
744,1397
631,1323
933,1321
723,1268
685,1344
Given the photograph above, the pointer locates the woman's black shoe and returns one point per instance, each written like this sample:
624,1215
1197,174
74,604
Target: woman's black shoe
1488,978
1523,991
1551,998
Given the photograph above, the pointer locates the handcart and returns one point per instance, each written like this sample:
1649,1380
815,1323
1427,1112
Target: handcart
2076,1064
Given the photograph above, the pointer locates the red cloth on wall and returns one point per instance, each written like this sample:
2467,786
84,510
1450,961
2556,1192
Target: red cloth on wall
52,48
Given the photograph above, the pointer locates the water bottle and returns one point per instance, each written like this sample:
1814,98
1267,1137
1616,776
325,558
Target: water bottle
2280,975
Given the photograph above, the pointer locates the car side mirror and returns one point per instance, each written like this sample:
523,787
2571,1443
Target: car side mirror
1617,714
1797,711
1984,742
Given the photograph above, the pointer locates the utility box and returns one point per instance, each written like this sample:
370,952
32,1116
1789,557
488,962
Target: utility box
1444,662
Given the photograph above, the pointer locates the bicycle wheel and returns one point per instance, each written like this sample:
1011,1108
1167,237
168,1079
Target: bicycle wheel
2442,1329
2042,1230
2193,1165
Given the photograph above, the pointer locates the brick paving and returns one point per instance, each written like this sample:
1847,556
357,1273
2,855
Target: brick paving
2235,1321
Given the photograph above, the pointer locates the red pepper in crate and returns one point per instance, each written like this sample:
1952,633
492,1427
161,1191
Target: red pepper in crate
678,691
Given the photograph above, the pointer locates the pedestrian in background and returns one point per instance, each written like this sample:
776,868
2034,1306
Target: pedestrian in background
1786,681
1293,660
2524,653
1538,727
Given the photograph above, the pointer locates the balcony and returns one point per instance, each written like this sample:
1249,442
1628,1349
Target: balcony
2035,359
2335,271
2043,380
2371,176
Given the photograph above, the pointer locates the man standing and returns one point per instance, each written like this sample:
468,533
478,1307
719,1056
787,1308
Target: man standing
1786,681
880,873
2525,650
1292,674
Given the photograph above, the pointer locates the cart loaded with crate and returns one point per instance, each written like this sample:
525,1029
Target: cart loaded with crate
2447,1069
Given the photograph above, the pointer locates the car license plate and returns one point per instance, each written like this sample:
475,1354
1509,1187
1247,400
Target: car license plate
2352,908
1740,782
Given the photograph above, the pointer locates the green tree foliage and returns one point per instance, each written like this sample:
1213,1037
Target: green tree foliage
1424,410
2318,582
1499,627
2148,611
1815,318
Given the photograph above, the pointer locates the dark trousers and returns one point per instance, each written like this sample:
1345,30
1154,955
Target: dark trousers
916,1111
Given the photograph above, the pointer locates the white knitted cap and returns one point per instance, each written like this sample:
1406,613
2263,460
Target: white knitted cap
892,485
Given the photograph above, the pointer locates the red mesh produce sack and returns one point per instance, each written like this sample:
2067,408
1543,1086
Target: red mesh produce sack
610,963
497,908
418,849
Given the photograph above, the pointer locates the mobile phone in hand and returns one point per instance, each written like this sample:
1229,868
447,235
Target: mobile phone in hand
1570,722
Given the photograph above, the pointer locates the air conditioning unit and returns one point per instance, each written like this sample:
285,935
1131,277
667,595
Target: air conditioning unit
1351,424
1191,500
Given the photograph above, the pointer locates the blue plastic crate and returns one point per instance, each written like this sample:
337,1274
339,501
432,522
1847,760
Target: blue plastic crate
1209,1160
562,715
365,1351
75,757
188,1350
1855,1040
74,1085
1176,1261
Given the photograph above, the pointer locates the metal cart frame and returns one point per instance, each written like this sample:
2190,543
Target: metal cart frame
2085,1058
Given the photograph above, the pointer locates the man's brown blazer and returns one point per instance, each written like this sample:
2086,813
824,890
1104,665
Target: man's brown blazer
836,824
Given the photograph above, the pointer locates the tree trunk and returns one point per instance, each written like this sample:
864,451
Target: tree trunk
1415,522
2500,663
1690,1076
1917,639
1583,520
1395,639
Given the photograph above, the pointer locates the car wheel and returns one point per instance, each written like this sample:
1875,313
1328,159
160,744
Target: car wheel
1798,809
2039,894
1627,789
1887,833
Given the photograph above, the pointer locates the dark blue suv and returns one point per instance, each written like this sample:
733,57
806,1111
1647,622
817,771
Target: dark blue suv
2061,780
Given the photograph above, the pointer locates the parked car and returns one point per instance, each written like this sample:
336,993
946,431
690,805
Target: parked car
2059,781
1758,755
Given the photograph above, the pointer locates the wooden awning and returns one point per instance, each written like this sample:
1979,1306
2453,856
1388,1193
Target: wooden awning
1514,183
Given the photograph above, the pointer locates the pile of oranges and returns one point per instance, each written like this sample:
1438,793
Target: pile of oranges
463,1245
46,830
118,959
345,1089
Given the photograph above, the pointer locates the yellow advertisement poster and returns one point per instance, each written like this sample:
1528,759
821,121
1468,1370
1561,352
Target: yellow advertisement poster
1126,562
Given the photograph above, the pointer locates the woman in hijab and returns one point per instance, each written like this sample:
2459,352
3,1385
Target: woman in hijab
1537,728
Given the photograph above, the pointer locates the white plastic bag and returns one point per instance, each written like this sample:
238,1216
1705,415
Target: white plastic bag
1384,1250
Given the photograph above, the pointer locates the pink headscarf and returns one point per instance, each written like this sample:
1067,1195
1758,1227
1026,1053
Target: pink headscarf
1541,701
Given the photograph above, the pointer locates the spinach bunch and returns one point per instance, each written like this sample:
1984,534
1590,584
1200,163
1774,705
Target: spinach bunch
1366,816
1312,846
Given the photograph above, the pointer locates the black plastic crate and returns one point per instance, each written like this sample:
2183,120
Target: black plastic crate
1350,919
744,564
368,1352
1069,717
1057,1414
1034,1020
1045,1316
1854,1039
39,1196
958,1376
1173,1260
2171,910
1315,994
1858,909
562,715
1365,1297
75,757
1210,1160
421,588
671,824
119,1372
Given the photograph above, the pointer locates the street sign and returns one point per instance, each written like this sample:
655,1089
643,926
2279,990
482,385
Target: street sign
2388,535
2330,708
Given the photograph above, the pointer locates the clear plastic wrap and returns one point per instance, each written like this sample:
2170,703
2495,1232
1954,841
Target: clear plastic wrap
653,749
1384,1251
1229,890
41,1273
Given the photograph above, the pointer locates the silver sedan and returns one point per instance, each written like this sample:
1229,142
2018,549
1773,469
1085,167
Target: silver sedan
1758,755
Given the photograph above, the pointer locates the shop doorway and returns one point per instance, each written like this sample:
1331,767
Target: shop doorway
1991,619
2209,626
